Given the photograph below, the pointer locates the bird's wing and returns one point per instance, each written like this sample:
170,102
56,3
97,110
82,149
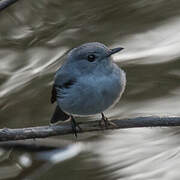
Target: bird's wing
58,114
62,81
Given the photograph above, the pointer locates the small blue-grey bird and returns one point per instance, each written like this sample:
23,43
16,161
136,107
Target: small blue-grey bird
87,83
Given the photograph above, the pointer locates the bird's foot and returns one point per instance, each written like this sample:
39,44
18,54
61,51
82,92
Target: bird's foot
75,126
104,122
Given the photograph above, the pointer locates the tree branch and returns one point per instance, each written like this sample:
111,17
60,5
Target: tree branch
7,134
5,3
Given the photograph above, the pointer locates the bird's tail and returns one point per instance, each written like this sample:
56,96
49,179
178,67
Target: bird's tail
59,115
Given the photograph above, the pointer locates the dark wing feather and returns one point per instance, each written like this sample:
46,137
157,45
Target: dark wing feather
59,115
53,94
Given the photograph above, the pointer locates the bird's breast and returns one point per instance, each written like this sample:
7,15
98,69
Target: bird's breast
92,94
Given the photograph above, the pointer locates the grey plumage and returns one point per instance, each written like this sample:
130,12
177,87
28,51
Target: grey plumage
88,82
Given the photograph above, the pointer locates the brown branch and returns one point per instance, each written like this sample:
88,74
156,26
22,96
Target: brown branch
7,134
6,3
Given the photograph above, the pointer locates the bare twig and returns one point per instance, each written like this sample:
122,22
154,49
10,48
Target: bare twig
65,128
6,3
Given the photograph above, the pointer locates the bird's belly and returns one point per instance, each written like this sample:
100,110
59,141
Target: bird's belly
91,96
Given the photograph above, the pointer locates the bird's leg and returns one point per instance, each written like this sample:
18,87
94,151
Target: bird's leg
74,125
105,122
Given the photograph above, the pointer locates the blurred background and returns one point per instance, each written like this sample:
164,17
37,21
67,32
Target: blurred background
34,38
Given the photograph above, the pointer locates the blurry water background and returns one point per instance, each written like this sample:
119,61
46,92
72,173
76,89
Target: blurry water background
34,37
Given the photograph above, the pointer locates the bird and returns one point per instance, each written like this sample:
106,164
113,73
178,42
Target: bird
87,83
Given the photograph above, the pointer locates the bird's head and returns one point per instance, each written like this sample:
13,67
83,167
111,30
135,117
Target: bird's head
91,55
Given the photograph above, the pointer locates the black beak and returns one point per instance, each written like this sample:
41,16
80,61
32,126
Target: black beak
115,50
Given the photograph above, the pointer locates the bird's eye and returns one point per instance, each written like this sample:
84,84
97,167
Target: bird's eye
91,58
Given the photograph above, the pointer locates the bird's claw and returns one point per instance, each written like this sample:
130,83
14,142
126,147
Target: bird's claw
104,122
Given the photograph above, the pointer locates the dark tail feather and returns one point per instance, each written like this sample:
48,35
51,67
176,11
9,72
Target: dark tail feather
59,115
